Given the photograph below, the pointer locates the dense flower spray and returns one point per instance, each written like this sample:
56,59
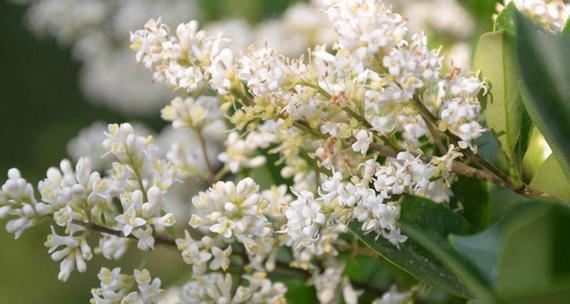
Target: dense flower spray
355,125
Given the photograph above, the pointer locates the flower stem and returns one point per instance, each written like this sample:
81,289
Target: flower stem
204,149
491,173
281,267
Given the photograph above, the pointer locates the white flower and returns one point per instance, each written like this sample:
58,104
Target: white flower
207,287
182,149
365,25
129,220
393,297
277,200
139,216
363,141
122,142
263,71
237,154
309,231
195,253
71,251
221,258
222,71
327,284
149,288
116,287
190,112
145,238
304,217
17,199
261,290
112,247
552,15
230,210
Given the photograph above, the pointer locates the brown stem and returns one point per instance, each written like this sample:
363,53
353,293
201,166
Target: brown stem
366,124
428,115
491,173
465,170
101,229
281,267
435,133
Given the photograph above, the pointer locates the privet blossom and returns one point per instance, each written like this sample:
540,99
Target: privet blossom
355,125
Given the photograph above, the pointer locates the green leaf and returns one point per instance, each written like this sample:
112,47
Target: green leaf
436,221
484,250
503,109
506,19
474,197
545,70
566,28
524,256
298,292
551,179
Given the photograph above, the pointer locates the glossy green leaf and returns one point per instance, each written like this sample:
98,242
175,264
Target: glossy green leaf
436,221
474,198
503,108
545,70
551,179
524,256
484,250
506,19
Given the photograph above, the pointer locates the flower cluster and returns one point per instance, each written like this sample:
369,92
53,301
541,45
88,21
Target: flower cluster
77,198
372,87
17,199
550,14
346,133
84,26
217,288
116,287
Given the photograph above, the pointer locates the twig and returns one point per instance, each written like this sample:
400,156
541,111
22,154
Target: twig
491,173
281,267
101,229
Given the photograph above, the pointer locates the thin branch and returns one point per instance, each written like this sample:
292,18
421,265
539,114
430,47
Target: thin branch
428,115
491,173
138,176
281,267
101,229
432,127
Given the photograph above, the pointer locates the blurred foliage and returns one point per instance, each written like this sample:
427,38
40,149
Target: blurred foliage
253,10
41,110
